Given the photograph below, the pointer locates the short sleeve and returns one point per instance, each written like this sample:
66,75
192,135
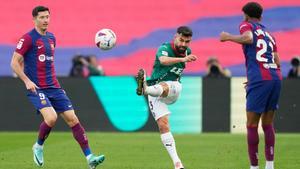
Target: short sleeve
52,37
162,51
244,27
275,47
274,44
24,45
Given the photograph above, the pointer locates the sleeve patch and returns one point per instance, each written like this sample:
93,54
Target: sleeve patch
164,53
20,43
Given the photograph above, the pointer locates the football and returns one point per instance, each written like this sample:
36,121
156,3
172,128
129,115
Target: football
105,39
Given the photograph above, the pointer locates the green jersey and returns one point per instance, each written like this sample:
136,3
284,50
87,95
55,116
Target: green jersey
167,72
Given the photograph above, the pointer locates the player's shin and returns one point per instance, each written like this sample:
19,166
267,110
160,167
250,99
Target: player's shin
81,138
44,131
253,140
154,91
269,133
169,143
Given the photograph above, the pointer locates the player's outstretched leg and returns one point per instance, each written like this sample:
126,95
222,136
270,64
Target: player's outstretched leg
37,148
141,78
80,136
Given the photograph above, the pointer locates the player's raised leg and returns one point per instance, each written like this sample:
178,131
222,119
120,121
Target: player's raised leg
50,118
80,136
168,140
253,138
144,89
269,132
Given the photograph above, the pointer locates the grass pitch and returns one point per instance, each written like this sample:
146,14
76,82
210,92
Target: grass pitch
144,151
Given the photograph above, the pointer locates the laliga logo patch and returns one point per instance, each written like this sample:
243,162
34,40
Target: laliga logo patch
43,102
42,58
165,53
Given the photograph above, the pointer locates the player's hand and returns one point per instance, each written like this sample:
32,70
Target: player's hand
31,86
224,36
190,58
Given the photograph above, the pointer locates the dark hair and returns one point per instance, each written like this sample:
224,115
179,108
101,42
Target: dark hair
38,9
185,31
253,10
295,62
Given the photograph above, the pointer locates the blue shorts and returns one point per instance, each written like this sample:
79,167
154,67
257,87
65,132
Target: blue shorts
51,97
263,96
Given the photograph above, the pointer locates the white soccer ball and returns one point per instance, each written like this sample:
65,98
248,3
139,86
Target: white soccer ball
105,39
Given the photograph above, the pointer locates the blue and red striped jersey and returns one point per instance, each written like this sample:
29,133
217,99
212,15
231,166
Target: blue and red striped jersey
38,53
259,55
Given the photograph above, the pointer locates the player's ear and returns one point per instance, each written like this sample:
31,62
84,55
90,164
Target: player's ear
246,17
176,36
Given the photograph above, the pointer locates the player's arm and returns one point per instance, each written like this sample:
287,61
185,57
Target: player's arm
276,59
165,60
245,38
17,66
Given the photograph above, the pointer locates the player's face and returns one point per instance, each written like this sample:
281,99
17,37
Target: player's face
182,42
42,20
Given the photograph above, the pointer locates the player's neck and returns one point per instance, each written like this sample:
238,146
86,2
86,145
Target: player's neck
41,32
253,20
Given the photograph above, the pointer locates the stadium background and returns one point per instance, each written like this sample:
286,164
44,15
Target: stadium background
141,26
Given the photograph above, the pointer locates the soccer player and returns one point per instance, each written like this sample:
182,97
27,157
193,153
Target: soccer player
264,80
36,50
164,87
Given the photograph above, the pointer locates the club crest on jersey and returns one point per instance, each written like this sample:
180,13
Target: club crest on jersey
43,57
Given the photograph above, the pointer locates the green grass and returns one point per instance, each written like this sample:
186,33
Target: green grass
144,151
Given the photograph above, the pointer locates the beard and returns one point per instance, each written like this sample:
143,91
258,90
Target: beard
181,49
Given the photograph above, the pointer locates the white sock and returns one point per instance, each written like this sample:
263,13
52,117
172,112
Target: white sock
254,167
88,157
38,146
269,164
169,143
155,90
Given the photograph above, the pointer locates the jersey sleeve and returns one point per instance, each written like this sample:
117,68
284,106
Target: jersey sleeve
54,39
244,27
162,51
24,45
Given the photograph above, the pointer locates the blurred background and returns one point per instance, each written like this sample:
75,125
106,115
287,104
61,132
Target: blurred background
141,26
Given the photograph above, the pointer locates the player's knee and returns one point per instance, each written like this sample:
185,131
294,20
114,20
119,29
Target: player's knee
73,121
51,120
165,89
